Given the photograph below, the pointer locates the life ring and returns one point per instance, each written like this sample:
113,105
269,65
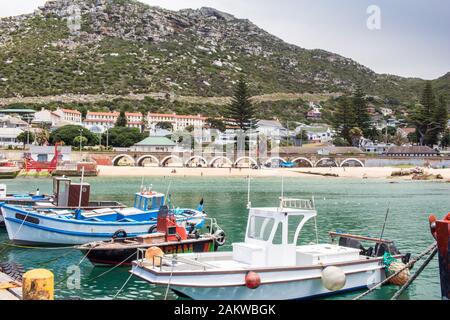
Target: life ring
219,237
120,234
153,229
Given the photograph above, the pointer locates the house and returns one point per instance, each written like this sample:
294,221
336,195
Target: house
69,116
317,133
46,153
271,128
46,117
412,152
386,112
7,121
376,148
24,114
178,122
154,144
314,114
371,109
102,121
8,137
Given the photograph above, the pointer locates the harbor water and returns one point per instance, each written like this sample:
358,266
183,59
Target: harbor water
353,206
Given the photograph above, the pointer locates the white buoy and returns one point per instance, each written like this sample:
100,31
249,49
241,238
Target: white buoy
333,278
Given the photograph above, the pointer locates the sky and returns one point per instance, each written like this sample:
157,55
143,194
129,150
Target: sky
408,38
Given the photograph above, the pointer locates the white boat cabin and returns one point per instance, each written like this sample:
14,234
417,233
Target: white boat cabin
272,236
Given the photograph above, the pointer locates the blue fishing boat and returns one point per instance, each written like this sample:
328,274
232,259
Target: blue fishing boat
53,226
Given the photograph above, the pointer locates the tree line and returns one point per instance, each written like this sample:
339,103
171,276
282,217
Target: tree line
352,121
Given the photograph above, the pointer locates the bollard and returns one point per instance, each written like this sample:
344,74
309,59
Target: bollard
38,285
441,231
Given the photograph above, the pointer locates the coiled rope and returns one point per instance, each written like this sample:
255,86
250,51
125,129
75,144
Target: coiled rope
409,264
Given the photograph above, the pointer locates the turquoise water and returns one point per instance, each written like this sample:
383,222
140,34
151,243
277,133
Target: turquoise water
356,206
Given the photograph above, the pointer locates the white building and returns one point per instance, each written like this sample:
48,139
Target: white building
12,122
271,129
69,116
47,117
178,122
102,121
8,137
318,134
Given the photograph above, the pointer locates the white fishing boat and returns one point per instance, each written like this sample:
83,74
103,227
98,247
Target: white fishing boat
269,264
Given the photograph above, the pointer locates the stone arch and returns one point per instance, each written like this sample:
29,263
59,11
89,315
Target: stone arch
116,159
205,162
343,163
166,159
213,161
327,160
269,161
140,161
245,158
302,159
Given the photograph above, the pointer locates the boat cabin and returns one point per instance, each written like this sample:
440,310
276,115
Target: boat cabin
272,235
148,200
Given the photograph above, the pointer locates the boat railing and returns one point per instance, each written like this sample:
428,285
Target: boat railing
305,204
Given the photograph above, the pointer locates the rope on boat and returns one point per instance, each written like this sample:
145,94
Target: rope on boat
168,283
409,264
37,248
126,282
111,269
414,277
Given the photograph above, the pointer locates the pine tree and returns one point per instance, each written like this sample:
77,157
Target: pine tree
424,117
121,120
241,108
362,117
441,115
344,119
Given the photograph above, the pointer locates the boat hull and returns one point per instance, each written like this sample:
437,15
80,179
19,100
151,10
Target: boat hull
9,173
125,256
282,284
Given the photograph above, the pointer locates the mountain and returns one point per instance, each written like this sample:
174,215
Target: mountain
125,47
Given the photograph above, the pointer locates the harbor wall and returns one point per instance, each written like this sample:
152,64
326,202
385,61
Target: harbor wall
417,162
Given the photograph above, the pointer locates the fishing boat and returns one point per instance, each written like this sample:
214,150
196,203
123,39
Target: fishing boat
169,237
9,170
269,264
54,226
66,195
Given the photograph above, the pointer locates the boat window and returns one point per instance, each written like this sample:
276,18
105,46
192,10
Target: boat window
260,228
278,238
27,218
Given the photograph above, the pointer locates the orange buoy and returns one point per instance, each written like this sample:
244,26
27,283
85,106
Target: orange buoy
252,280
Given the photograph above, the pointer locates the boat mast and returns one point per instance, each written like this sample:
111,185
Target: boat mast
249,203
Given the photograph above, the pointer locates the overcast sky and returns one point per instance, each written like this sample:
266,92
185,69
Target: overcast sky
414,39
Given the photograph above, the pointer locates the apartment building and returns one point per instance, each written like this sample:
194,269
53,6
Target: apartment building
106,120
178,122
69,116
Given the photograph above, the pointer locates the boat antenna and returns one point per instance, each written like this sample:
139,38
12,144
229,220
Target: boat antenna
81,188
249,203
382,231
142,184
313,203
167,192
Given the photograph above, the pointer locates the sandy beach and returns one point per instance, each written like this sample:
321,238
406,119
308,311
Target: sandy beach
320,173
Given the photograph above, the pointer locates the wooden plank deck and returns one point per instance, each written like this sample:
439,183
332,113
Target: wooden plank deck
11,293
